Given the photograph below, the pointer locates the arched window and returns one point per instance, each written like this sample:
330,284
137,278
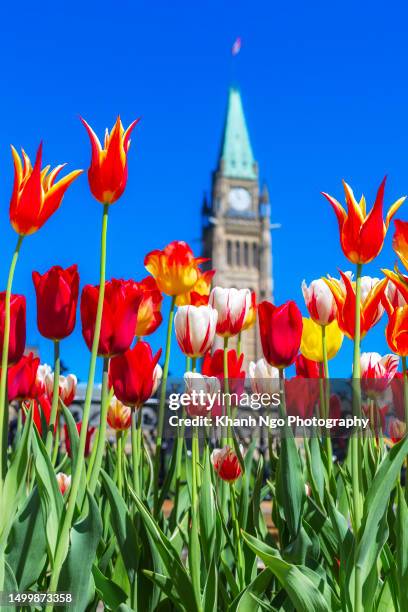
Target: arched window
237,253
246,254
229,252
255,255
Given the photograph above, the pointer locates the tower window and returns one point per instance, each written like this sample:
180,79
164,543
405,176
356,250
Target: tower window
237,253
255,255
246,254
229,252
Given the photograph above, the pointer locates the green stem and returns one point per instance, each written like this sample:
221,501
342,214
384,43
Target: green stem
355,443
195,569
162,406
327,438
56,443
55,398
405,378
237,534
100,447
136,436
119,460
226,394
239,343
63,540
179,453
4,415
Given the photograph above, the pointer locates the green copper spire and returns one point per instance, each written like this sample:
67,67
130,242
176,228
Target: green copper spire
236,151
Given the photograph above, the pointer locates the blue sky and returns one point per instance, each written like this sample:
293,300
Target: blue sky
324,87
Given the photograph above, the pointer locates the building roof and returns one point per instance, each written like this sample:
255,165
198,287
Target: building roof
236,152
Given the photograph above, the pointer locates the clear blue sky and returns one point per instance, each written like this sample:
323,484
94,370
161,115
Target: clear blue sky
324,87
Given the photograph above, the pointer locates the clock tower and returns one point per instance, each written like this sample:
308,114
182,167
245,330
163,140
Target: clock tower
236,220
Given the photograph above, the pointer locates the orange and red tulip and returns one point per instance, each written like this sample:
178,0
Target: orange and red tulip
362,234
149,316
108,172
400,241
175,269
36,196
250,318
119,416
344,293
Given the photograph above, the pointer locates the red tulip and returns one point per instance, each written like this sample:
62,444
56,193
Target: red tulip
64,482
307,368
133,374
17,336
22,378
226,464
281,332
89,435
36,196
213,365
108,171
120,307
301,396
41,407
57,298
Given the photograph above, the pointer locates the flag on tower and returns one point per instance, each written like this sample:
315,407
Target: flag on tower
236,47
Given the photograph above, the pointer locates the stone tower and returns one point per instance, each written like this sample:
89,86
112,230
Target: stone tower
236,220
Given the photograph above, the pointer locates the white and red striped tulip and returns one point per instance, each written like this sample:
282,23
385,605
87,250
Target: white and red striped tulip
319,301
232,306
195,329
377,372
67,387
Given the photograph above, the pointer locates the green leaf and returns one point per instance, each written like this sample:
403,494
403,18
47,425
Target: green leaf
13,487
165,585
77,567
373,537
26,551
170,558
50,495
207,511
110,593
304,587
210,595
8,583
290,489
401,553
122,526
257,588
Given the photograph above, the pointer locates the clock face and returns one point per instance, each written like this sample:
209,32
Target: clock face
239,199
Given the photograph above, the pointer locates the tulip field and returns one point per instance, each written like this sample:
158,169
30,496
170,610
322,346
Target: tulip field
202,520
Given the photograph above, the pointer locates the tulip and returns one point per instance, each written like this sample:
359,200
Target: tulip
119,416
200,292
264,378
57,298
35,195
213,365
42,371
361,234
22,378
393,293
311,345
281,332
41,407
132,375
301,396
89,433
397,390
397,429
195,329
175,268
250,318
377,372
108,172
148,314
202,389
396,331
119,316
319,301
17,337
306,368
226,464
64,482
232,306
400,241
67,387
371,311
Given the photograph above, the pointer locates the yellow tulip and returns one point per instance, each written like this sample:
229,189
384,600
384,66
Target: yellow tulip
311,345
